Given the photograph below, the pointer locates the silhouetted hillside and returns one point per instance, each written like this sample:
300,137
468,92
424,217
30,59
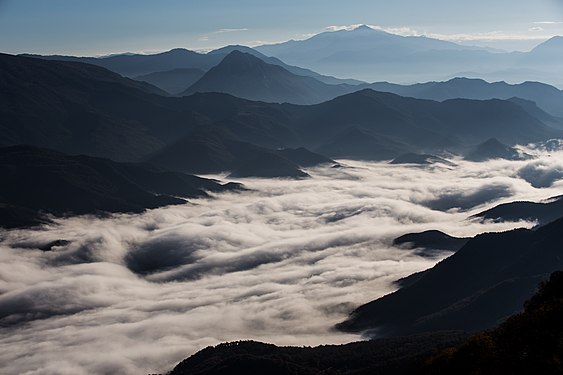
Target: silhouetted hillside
476,288
527,343
39,181
80,108
543,212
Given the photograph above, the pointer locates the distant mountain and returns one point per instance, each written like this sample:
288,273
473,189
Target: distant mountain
547,97
224,51
39,181
374,55
548,52
542,212
476,288
246,76
421,159
494,149
173,81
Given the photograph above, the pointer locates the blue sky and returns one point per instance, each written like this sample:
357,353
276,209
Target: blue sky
98,27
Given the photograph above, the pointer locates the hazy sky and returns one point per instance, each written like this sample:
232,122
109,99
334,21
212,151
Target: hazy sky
86,27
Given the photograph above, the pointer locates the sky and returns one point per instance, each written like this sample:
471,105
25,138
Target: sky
101,27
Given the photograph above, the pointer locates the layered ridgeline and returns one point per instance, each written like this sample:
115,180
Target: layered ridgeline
176,70
80,108
546,97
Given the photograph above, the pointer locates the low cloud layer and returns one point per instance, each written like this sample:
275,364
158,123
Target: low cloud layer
281,263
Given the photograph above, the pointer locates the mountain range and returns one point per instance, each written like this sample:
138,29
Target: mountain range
80,108
373,55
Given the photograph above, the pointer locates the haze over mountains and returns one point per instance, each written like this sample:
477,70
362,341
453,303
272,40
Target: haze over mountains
125,120
375,55
351,190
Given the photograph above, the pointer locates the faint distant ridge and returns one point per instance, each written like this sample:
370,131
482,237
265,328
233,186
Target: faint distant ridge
552,47
376,55
132,65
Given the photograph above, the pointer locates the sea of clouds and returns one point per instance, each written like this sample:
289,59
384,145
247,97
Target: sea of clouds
282,263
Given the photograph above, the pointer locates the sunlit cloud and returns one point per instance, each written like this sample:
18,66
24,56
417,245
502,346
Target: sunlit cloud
223,31
548,22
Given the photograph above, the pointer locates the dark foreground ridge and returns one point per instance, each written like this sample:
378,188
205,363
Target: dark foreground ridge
476,288
38,181
400,355
527,343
